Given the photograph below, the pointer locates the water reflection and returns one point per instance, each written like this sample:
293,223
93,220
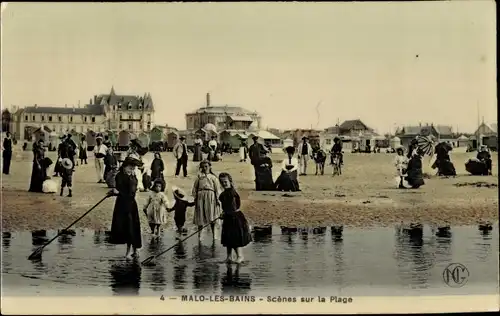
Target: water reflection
337,231
125,277
180,268
6,236
39,266
262,234
206,269
156,278
338,254
38,237
485,229
235,282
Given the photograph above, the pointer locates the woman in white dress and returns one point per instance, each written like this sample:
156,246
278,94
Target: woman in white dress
243,151
206,192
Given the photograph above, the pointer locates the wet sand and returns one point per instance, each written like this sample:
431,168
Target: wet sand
364,195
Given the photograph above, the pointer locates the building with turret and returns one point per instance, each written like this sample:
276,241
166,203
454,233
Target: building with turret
112,111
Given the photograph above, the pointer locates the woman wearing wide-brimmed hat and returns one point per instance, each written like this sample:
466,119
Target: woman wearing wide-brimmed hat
206,191
288,179
126,227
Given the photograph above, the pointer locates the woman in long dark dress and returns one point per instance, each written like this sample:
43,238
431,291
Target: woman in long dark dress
39,170
288,179
126,226
197,155
414,172
7,153
264,174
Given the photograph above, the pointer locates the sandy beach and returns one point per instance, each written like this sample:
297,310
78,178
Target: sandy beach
364,195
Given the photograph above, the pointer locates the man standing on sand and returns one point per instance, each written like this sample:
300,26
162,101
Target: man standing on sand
100,151
181,154
255,152
305,152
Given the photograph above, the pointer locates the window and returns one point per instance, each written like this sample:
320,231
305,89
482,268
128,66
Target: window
26,117
119,106
33,118
60,118
43,118
85,119
130,106
140,117
130,117
93,120
120,116
71,118
149,117
120,126
114,107
140,106
328,141
50,118
130,126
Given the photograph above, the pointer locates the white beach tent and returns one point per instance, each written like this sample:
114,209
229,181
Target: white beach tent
395,142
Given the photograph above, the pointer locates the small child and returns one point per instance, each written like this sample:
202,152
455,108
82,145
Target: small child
401,163
235,228
156,208
66,176
180,208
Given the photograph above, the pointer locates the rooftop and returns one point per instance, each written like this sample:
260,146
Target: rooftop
89,109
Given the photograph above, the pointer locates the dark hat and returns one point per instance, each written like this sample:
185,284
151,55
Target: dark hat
130,161
304,137
290,150
182,138
255,137
336,139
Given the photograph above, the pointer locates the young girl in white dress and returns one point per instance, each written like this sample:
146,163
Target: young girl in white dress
156,208
401,163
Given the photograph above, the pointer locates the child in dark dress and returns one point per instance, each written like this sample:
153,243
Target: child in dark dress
179,209
235,229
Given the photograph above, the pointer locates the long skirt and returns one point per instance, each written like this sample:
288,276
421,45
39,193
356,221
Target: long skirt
146,181
243,154
126,226
476,167
82,154
7,157
415,178
197,155
445,167
288,182
206,209
235,230
38,175
264,179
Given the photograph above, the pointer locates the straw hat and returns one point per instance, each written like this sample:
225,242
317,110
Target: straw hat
67,164
179,193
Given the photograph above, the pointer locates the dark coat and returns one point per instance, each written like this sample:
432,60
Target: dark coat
39,170
414,172
264,175
126,226
157,168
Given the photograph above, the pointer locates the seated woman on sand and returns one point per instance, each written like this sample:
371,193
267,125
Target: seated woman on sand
415,177
264,173
481,166
288,179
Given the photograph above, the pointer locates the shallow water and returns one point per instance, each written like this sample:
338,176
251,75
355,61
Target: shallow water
355,261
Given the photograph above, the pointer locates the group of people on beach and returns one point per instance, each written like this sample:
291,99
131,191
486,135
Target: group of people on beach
215,198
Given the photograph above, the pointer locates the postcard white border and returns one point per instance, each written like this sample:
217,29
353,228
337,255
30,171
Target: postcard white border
151,305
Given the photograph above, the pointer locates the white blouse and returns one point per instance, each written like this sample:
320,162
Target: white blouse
293,161
101,149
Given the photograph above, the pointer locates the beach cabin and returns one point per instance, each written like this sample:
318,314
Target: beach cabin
287,143
113,137
90,138
42,133
144,139
233,137
172,138
53,141
157,134
395,142
268,138
76,137
462,141
124,138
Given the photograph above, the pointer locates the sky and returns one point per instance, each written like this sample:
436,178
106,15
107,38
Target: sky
300,65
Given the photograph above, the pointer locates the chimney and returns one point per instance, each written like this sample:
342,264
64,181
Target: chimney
208,100
65,105
36,105
419,124
90,101
95,99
